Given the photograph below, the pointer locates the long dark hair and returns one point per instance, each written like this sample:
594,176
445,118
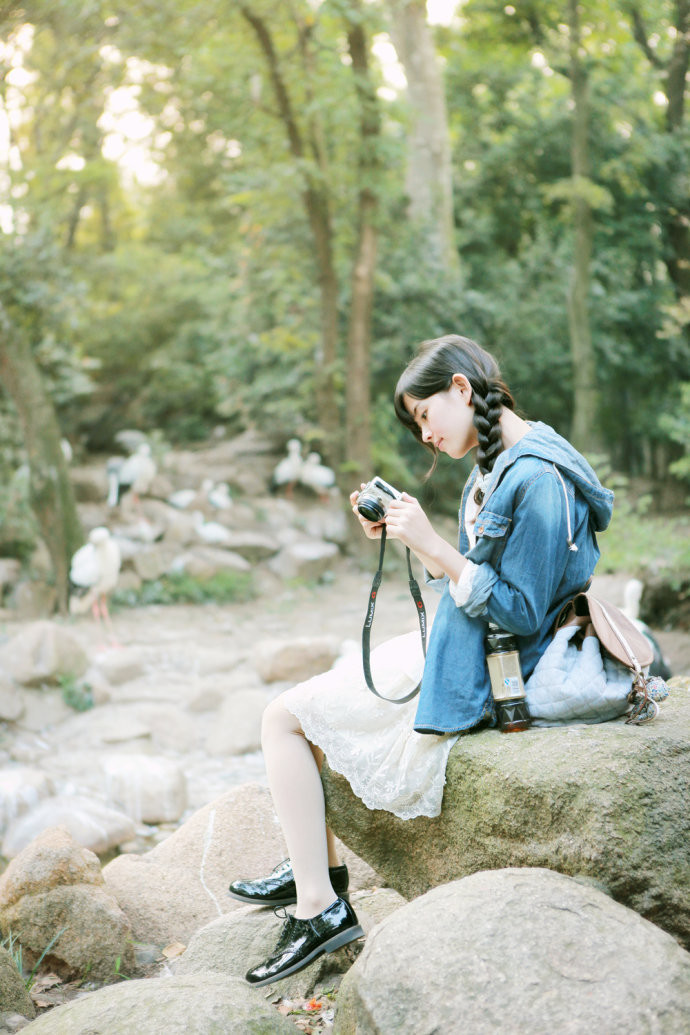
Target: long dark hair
432,371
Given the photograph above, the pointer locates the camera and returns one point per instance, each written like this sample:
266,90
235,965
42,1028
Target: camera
375,499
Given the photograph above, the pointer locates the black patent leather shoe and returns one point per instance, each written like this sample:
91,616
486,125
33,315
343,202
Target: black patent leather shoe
303,941
278,889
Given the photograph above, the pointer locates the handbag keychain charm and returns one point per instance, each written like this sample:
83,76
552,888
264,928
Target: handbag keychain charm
507,685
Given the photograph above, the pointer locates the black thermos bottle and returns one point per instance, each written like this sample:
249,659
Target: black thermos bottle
507,686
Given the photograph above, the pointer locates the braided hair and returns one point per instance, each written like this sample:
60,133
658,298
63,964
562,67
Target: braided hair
432,371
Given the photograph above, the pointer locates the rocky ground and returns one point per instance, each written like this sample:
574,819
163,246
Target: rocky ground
182,688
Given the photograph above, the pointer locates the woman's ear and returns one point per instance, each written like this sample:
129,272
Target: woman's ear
463,386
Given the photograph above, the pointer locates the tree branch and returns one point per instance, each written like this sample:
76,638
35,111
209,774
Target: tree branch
641,37
282,97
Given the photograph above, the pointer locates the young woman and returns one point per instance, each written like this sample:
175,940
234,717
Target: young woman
527,544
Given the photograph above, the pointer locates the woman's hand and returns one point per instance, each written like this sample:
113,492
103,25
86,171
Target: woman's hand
407,522
372,529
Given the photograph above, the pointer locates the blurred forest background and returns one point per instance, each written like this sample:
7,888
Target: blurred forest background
246,214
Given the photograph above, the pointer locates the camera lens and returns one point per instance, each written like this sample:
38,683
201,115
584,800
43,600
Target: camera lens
370,508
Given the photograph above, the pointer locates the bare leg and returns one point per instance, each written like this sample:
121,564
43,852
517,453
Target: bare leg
293,776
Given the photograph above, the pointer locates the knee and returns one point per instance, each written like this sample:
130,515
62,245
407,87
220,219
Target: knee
277,720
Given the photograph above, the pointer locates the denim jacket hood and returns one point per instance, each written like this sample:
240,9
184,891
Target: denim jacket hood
535,548
543,442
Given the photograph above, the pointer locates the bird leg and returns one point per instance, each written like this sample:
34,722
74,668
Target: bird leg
102,615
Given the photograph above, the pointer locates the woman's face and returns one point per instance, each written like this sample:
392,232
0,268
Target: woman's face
445,419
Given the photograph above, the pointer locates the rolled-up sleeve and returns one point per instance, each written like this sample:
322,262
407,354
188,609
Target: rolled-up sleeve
516,594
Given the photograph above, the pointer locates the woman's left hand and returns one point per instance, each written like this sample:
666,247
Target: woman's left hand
407,522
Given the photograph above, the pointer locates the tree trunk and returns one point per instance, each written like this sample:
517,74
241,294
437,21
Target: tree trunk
677,220
317,207
358,387
429,176
51,494
585,433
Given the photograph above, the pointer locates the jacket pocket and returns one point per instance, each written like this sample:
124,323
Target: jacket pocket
493,526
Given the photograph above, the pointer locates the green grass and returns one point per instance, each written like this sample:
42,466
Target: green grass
643,544
224,587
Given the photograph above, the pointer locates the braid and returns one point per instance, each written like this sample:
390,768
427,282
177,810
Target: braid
487,414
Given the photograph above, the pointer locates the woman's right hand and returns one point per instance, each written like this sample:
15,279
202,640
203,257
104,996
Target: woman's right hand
372,529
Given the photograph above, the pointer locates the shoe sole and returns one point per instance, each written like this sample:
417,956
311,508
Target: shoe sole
336,942
291,901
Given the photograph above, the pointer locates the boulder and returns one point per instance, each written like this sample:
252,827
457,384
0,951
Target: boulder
148,788
308,559
235,942
182,883
608,802
202,1003
41,653
237,726
525,950
121,665
21,789
295,660
90,822
253,546
14,997
53,897
203,562
11,700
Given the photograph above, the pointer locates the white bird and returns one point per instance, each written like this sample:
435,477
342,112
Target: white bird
218,495
287,473
632,595
66,447
136,473
211,532
317,476
182,498
130,439
112,473
93,574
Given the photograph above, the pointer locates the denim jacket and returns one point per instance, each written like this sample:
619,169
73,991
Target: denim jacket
535,548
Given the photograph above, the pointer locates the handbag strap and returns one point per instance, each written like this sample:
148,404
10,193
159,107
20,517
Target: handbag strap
366,631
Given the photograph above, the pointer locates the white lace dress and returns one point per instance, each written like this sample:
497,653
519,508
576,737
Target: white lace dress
371,742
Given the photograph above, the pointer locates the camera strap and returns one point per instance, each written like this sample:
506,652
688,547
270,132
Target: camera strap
421,615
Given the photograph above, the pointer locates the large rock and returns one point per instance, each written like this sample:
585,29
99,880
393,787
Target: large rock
14,997
194,1004
90,822
150,789
41,653
182,883
296,659
21,789
516,951
238,726
308,559
235,942
53,897
608,802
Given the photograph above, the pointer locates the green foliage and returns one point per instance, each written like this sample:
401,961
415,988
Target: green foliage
76,693
677,425
194,300
224,587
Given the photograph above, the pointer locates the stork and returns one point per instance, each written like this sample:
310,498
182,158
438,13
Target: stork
136,473
287,473
93,574
317,476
